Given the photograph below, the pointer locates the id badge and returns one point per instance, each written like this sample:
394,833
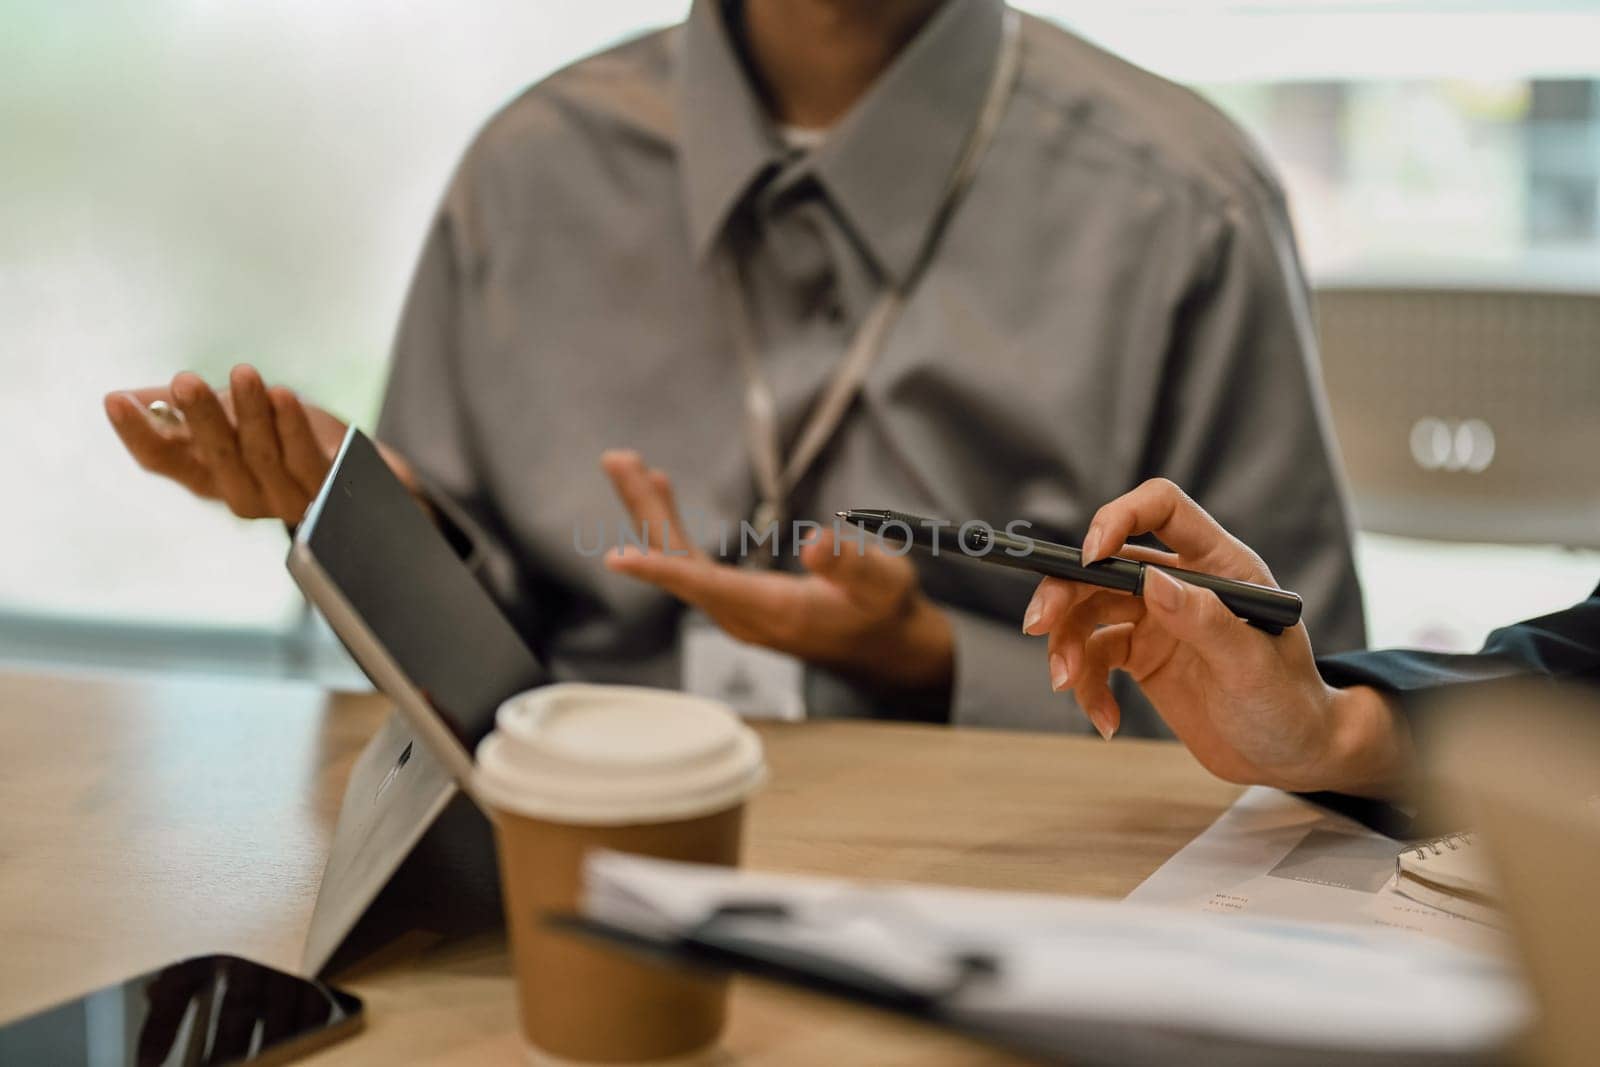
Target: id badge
756,682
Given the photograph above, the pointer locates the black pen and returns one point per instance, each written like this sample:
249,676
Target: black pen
1272,610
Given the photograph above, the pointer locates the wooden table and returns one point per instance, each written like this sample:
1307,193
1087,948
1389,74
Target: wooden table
147,819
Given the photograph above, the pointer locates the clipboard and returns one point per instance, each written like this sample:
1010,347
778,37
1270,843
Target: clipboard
715,946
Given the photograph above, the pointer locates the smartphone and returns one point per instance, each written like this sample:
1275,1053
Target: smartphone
196,1013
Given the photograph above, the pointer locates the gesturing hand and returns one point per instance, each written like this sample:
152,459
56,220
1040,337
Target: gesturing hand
858,609
261,451
1251,707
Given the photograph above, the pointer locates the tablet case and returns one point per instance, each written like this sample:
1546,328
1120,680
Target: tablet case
410,852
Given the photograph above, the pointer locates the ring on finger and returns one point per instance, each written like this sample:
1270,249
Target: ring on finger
165,414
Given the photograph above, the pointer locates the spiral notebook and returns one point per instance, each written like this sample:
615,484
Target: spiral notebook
1450,873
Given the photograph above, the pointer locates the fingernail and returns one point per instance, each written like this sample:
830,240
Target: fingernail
1035,612
183,390
1059,675
1165,590
1091,545
1100,718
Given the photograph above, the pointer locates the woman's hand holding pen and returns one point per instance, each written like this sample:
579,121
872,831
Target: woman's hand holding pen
1250,706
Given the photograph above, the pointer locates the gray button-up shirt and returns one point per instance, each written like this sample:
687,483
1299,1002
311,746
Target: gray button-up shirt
1116,297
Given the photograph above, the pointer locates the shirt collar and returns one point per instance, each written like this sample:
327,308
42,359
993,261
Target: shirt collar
725,139
887,162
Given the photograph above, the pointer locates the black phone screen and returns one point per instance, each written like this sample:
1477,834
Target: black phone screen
202,1011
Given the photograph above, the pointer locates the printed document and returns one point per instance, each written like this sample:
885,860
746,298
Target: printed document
1274,855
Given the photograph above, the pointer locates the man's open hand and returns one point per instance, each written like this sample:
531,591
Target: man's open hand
262,452
857,610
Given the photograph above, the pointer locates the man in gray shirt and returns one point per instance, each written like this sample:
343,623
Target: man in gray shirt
635,242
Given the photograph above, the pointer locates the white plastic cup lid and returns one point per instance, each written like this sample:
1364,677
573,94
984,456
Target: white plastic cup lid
616,755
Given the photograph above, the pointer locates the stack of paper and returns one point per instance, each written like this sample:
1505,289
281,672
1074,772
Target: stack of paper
1276,855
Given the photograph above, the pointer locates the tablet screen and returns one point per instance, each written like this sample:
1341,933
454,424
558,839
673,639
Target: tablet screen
396,570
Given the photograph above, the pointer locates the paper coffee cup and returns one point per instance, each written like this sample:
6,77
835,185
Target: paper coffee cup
574,767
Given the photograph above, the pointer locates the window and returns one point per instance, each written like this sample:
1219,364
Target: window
190,185
1438,141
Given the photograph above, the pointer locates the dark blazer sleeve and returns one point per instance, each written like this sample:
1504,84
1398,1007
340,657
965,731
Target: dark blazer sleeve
1561,646
1565,644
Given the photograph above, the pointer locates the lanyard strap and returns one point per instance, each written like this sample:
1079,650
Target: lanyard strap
775,479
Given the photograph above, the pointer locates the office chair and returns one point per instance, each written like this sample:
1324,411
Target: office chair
1467,415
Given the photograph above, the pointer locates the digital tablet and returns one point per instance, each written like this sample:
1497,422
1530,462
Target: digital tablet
419,623
430,637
